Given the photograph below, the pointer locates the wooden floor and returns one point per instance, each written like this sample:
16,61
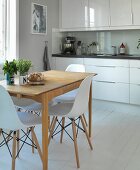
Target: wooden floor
116,141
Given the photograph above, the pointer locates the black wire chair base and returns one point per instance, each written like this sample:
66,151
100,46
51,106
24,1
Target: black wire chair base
55,132
8,137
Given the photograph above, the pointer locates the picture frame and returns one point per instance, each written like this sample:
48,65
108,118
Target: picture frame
38,19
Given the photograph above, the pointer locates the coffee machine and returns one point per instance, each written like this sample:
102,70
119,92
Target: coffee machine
69,45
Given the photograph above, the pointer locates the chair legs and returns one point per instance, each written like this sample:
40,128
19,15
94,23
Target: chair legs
85,120
14,151
32,139
75,143
74,134
62,132
36,142
18,143
86,132
52,129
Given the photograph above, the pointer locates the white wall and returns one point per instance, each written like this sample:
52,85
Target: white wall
31,46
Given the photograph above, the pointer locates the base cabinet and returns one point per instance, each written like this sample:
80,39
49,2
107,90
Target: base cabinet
117,80
118,92
135,94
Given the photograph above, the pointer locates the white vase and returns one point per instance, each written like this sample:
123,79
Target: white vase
22,80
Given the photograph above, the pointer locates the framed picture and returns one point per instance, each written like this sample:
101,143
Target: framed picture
38,19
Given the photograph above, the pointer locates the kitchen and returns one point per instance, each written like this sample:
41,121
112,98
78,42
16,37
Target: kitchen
116,90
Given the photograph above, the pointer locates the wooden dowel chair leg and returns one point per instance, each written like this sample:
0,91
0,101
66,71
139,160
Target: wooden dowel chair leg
52,129
14,151
86,132
7,139
85,120
51,123
75,144
62,132
32,139
18,142
36,142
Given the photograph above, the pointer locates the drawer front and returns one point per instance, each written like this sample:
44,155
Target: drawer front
135,63
135,75
110,73
134,94
117,92
106,62
62,63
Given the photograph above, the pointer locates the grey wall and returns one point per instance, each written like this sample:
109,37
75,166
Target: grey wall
31,46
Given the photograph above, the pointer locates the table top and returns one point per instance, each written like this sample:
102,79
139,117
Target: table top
53,80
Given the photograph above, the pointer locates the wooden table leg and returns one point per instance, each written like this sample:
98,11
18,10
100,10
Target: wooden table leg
90,111
45,131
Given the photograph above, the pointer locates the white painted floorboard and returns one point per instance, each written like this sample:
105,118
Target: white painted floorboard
116,142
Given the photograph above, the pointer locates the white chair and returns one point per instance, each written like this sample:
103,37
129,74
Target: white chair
73,110
13,121
70,96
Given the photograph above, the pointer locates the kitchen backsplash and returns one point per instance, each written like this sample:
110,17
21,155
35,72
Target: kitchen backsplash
104,39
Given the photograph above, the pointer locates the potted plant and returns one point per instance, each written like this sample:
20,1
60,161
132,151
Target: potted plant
10,69
23,67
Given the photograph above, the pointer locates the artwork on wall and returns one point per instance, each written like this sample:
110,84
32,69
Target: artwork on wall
39,19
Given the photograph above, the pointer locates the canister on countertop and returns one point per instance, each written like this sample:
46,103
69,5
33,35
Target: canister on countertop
114,52
122,49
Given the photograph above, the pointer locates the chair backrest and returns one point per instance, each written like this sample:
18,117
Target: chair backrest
8,114
82,98
76,68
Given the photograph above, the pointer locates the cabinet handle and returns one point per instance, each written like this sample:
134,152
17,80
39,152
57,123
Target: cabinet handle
105,81
107,66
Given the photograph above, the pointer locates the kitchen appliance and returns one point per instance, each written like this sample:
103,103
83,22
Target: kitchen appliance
69,45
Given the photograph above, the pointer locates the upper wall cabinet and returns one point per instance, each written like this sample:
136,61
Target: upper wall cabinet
99,13
136,12
74,13
120,12
82,15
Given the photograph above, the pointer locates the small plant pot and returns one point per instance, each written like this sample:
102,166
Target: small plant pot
23,80
10,79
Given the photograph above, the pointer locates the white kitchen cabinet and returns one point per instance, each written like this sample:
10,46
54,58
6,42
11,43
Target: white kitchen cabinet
118,92
74,13
135,82
112,81
135,94
99,15
135,76
110,73
120,12
61,63
136,12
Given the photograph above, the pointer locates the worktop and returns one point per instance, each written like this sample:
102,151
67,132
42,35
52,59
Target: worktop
104,56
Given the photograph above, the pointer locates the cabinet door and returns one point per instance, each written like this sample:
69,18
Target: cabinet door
134,94
120,11
98,13
74,13
134,76
136,12
110,73
117,92
62,63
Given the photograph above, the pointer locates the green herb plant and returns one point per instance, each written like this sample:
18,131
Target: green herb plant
23,66
10,67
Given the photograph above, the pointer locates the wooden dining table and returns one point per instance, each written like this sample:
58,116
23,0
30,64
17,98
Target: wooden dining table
56,83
